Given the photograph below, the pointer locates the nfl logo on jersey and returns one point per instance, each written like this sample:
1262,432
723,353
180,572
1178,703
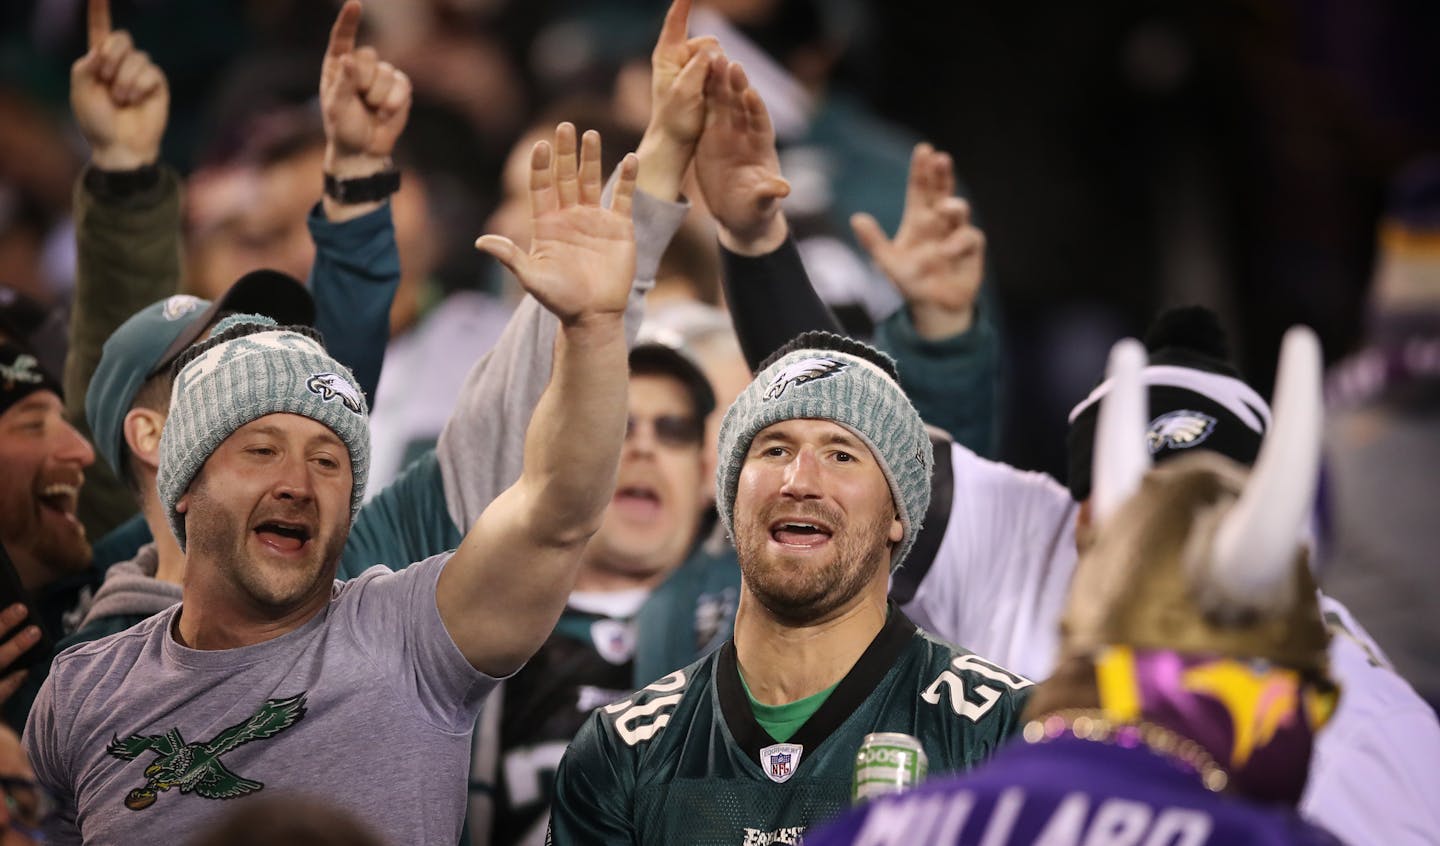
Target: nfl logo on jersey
780,760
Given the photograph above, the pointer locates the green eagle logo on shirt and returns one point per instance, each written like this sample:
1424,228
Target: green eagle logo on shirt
196,767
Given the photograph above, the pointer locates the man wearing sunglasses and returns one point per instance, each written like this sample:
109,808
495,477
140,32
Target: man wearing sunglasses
649,532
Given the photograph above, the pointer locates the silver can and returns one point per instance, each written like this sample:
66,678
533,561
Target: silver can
888,762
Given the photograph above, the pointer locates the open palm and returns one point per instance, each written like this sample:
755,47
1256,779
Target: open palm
937,257
582,256
735,161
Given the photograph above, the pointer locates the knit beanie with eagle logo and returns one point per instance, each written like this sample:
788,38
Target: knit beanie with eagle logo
248,368
822,376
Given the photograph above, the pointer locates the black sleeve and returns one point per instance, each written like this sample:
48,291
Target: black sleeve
771,301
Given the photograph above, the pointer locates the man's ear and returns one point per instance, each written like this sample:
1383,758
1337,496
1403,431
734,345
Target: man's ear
142,428
183,503
897,530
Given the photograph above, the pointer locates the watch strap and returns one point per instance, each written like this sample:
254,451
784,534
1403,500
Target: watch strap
365,189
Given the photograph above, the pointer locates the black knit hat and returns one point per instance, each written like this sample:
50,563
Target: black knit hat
43,331
1197,398
21,375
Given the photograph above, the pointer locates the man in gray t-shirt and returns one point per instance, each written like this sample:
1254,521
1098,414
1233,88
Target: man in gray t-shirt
270,675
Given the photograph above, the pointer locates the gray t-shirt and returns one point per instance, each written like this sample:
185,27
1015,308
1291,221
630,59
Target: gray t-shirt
370,706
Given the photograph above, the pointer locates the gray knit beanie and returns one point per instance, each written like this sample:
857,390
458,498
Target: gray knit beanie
821,381
251,367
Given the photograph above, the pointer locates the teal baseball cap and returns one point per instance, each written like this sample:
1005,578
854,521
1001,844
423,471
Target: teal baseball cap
149,342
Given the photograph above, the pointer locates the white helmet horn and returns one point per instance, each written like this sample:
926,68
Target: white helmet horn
1255,544
1122,452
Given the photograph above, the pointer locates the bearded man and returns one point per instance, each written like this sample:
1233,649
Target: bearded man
823,479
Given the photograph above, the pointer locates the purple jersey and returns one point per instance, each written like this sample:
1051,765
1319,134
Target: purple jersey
1069,791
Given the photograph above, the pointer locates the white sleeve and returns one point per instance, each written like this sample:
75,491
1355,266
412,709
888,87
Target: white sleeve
998,582
1375,777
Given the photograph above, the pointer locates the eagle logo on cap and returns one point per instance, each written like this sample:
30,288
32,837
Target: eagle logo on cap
805,370
1179,429
180,305
328,386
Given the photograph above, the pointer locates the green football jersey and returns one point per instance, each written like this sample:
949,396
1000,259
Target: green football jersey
684,761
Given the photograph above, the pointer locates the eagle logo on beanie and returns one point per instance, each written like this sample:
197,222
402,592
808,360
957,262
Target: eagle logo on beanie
25,368
805,370
328,386
1180,429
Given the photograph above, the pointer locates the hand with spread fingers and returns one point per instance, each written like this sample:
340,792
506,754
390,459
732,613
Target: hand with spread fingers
678,70
13,646
364,102
120,98
937,258
582,256
737,165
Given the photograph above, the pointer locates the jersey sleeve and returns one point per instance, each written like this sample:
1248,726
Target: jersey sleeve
954,382
353,279
977,706
404,523
999,726
997,583
594,789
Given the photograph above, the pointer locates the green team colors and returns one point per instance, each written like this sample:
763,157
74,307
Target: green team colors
196,766
684,761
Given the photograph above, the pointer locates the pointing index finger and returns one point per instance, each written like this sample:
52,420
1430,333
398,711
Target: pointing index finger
342,34
677,22
97,17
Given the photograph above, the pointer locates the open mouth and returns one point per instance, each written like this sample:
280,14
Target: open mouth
61,498
283,536
640,501
804,534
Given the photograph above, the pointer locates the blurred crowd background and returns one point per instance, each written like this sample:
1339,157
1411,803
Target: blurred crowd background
1121,156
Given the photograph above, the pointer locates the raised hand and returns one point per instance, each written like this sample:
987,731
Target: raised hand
364,102
119,97
737,165
678,68
937,258
582,256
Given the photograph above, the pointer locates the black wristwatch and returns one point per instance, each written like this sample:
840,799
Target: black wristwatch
366,189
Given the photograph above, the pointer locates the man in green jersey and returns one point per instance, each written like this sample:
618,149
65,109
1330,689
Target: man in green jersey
823,479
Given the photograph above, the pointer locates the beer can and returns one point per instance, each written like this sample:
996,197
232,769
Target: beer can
888,762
